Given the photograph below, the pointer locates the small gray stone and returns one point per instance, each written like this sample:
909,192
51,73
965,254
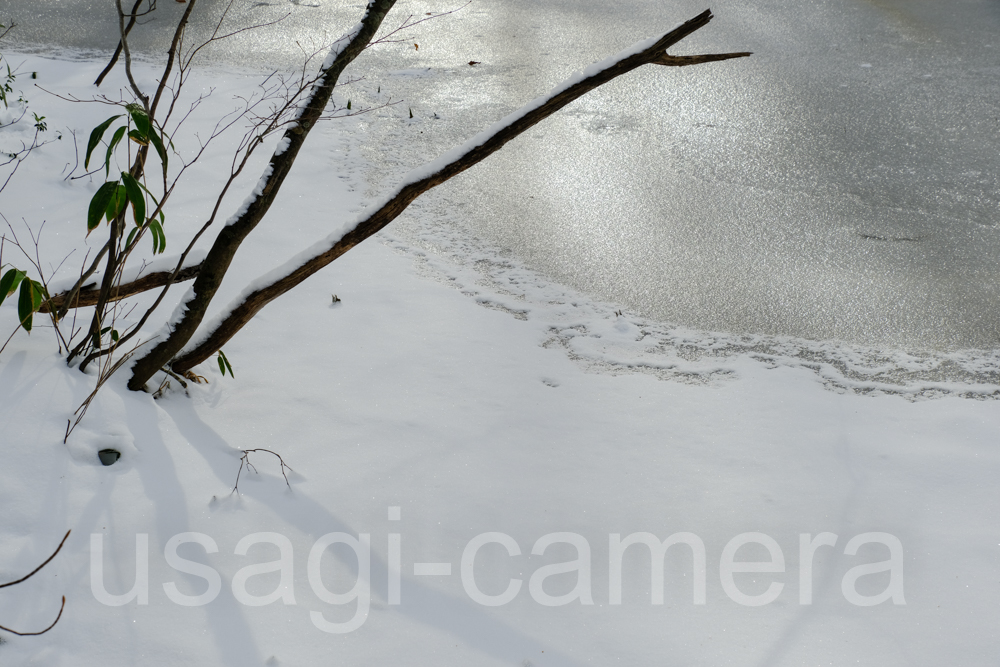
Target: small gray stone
109,456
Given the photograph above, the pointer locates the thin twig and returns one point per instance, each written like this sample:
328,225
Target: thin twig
107,371
41,632
35,571
406,24
128,56
245,459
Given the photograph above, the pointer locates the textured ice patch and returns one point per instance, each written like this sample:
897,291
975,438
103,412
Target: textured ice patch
602,338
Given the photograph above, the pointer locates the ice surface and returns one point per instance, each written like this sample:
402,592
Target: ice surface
797,192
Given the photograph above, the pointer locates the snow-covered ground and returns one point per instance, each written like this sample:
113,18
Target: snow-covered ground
452,400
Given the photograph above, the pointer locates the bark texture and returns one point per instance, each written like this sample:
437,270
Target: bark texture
88,295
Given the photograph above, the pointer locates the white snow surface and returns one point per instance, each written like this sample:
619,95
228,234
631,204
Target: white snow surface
451,392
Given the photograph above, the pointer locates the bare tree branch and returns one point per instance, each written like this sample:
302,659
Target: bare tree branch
423,179
128,56
118,51
68,298
343,52
87,296
171,54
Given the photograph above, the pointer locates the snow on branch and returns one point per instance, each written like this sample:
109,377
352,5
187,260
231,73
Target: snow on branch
275,283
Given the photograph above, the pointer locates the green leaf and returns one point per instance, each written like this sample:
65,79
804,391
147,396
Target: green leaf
114,333
140,119
99,204
131,235
158,145
137,137
9,283
29,301
119,133
135,197
159,238
151,196
117,203
95,137
224,365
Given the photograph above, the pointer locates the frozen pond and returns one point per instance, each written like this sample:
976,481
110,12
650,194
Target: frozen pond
839,184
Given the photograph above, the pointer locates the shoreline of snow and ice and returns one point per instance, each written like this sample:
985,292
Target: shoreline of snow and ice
477,397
